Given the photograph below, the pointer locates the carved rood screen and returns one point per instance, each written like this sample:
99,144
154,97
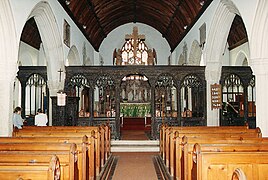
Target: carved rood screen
135,96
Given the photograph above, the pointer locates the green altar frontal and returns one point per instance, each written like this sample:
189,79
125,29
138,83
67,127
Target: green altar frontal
135,109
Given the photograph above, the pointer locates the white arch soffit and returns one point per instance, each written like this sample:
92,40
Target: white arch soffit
240,58
73,56
259,39
8,65
195,53
8,43
50,36
26,59
219,30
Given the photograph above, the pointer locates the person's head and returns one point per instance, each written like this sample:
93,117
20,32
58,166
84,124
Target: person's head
39,110
17,110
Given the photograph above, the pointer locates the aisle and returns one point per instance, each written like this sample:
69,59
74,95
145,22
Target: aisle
135,166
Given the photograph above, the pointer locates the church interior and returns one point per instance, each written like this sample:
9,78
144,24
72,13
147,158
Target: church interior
134,89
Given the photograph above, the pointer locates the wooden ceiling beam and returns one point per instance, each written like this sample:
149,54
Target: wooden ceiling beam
91,6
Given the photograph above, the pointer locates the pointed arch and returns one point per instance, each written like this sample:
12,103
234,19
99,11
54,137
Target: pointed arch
50,35
241,59
181,60
216,43
8,65
26,59
259,37
195,54
73,57
218,33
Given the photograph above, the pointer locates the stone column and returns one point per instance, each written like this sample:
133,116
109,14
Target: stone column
213,73
260,67
8,66
54,86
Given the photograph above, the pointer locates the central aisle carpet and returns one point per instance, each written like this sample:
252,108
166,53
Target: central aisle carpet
135,166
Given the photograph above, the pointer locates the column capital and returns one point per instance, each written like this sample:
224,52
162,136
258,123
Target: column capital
54,86
213,72
259,66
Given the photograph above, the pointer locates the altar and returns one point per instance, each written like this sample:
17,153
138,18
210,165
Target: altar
139,110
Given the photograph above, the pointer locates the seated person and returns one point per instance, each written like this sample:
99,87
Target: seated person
40,119
17,119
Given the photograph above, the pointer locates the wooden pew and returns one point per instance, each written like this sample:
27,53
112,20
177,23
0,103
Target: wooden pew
168,144
224,165
165,127
165,132
85,148
42,171
182,143
169,147
102,133
67,152
259,144
101,144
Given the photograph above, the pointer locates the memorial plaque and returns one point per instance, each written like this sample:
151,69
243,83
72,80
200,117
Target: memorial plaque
216,97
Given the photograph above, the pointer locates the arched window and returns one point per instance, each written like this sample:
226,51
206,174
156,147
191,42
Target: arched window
36,93
134,55
233,96
192,104
134,51
251,98
80,88
104,97
165,96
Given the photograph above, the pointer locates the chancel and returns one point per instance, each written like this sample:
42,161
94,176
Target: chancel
149,82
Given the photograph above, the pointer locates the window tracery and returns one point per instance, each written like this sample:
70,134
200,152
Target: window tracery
134,51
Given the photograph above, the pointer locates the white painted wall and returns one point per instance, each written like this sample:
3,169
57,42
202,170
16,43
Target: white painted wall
22,9
235,54
116,39
244,7
193,34
28,56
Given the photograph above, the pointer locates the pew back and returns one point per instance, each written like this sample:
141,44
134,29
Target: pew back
221,165
49,170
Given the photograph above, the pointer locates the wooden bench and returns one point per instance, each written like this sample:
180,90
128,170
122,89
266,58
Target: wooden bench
165,132
85,147
165,127
41,171
102,133
183,143
69,134
215,145
41,151
226,165
171,142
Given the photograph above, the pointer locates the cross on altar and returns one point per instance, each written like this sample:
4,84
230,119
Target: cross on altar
60,71
135,36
